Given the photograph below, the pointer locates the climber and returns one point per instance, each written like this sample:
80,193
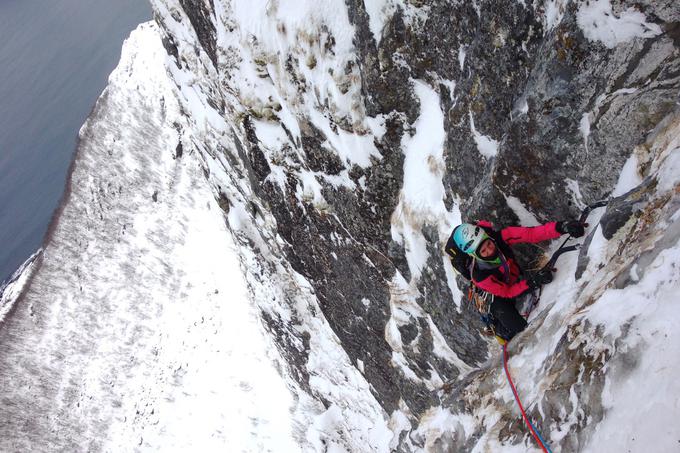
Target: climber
489,263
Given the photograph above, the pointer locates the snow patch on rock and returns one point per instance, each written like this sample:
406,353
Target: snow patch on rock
598,22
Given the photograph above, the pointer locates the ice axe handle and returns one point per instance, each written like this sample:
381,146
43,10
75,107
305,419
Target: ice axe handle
558,253
586,211
562,249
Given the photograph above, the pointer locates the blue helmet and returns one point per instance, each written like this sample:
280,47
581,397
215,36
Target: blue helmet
468,237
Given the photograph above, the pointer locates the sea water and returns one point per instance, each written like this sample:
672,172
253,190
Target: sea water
55,57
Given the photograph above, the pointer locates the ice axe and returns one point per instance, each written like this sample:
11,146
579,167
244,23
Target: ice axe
562,249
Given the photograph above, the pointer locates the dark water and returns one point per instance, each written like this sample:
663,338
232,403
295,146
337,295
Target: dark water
55,57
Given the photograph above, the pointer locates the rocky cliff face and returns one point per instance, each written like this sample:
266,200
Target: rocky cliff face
343,140
365,130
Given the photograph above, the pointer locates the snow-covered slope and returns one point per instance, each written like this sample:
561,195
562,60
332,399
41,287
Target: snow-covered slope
137,331
250,253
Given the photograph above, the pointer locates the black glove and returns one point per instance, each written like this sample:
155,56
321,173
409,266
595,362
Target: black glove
539,278
573,227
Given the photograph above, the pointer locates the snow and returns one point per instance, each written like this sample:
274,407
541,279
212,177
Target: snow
599,23
351,148
377,126
525,217
219,324
670,176
629,177
399,422
597,251
522,106
421,199
454,219
378,12
486,146
421,203
350,135
424,153
403,310
641,398
442,349
311,189
554,11
628,327
451,86
147,334
167,301
573,187
461,57
11,290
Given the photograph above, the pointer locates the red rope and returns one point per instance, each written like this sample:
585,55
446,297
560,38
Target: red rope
519,403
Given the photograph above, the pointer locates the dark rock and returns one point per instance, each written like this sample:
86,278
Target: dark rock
200,13
318,158
526,87
620,209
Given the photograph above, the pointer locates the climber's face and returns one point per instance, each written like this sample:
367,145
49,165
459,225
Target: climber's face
487,249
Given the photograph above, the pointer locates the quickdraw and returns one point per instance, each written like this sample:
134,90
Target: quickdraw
481,299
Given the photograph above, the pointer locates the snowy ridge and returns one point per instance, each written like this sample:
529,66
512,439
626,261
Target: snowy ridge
12,288
128,335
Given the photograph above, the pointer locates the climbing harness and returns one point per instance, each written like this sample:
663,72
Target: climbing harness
537,436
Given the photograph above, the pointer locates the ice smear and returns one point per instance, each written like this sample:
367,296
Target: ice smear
584,127
599,23
573,187
454,219
554,11
526,218
487,146
353,417
629,177
399,423
670,174
421,199
378,11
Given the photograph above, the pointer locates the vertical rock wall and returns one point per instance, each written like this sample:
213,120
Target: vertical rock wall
537,109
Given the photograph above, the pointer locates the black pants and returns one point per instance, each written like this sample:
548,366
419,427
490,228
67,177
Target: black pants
506,319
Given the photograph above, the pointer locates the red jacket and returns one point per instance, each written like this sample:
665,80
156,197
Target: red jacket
504,280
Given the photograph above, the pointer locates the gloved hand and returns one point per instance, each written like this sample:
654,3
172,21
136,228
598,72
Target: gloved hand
539,278
573,227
